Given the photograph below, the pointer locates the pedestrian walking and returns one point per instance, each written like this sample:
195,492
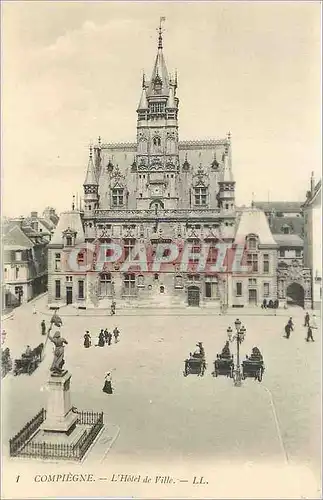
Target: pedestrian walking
107,388
309,334
109,338
101,342
291,324
116,334
87,340
34,309
264,304
113,308
307,320
287,331
43,327
106,335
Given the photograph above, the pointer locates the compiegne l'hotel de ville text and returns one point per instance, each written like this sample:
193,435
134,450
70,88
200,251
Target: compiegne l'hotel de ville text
159,190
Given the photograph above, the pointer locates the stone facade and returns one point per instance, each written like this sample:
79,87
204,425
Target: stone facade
313,240
158,190
24,271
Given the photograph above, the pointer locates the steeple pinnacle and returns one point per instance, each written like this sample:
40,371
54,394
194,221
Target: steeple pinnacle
90,179
227,176
160,31
159,82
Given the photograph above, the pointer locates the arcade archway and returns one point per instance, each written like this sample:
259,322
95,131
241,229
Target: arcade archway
295,294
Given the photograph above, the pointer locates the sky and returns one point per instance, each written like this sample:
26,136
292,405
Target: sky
72,71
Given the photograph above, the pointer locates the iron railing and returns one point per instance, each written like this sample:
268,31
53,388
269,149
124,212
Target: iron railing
19,445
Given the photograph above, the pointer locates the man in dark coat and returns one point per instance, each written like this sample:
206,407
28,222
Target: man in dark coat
287,330
43,327
309,334
116,334
291,324
307,320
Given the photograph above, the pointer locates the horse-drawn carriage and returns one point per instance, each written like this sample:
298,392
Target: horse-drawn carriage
223,365
28,361
196,363
253,368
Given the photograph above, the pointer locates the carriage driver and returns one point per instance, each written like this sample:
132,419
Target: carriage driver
226,351
200,353
27,352
256,355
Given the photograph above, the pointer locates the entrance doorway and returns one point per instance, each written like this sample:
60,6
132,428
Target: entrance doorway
69,295
193,296
253,297
295,295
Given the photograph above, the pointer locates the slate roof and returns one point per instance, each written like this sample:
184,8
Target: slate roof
279,206
15,239
288,240
68,220
296,223
254,221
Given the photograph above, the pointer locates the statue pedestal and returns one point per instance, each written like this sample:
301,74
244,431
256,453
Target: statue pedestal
59,415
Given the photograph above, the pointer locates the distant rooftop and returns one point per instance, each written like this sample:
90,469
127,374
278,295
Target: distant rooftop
279,206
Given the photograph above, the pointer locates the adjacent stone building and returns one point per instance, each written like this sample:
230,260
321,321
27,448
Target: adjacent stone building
25,258
24,265
313,240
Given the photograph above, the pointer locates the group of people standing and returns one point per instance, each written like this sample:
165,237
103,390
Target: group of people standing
105,338
309,323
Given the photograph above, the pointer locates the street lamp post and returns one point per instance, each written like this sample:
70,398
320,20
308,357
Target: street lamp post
239,338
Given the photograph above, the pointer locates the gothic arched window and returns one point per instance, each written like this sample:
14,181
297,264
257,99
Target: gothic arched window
157,141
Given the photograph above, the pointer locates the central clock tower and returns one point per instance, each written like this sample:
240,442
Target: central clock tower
157,160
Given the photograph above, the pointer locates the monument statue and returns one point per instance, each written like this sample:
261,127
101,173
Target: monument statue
58,361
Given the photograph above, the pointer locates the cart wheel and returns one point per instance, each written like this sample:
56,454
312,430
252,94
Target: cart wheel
184,373
260,376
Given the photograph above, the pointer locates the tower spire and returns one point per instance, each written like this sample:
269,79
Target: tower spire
90,179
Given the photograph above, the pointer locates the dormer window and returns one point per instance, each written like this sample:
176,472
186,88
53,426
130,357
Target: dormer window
286,229
117,197
69,237
252,241
200,194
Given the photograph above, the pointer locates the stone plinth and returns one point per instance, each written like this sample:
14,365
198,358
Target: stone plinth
59,415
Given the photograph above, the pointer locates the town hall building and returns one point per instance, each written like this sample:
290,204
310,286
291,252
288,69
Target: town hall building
155,190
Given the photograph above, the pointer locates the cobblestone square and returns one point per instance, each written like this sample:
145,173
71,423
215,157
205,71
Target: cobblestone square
158,413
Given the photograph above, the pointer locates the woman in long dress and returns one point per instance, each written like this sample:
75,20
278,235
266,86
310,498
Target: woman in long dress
107,388
101,342
87,339
58,360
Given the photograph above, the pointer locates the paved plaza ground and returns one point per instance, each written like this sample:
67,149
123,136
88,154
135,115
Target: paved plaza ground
158,412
